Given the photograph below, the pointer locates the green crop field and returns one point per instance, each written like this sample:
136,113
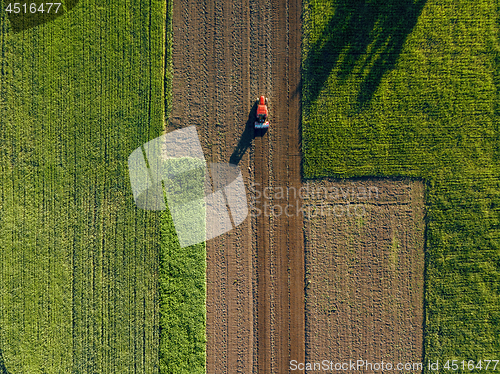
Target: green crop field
79,263
411,88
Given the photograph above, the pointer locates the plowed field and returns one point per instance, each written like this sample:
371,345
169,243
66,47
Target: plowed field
226,54
365,261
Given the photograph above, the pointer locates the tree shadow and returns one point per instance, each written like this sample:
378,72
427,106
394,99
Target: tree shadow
25,20
246,138
369,30
3,369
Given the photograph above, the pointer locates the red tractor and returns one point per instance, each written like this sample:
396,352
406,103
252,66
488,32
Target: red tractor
261,122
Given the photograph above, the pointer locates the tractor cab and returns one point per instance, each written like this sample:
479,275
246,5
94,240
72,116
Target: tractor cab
261,122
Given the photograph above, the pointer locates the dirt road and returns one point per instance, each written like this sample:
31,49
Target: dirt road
225,55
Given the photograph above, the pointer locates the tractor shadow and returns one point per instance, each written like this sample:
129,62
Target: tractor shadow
246,138
362,37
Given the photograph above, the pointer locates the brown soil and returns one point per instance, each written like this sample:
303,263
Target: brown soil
364,264
225,55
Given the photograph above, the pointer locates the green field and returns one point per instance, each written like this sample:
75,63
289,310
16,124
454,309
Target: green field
410,88
79,263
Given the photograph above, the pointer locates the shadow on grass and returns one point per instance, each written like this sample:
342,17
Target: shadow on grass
368,32
3,369
37,12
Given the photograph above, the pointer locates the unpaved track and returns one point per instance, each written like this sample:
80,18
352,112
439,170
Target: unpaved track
225,55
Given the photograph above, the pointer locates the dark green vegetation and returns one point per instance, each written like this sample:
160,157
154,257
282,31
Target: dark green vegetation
3,369
410,88
31,13
78,261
